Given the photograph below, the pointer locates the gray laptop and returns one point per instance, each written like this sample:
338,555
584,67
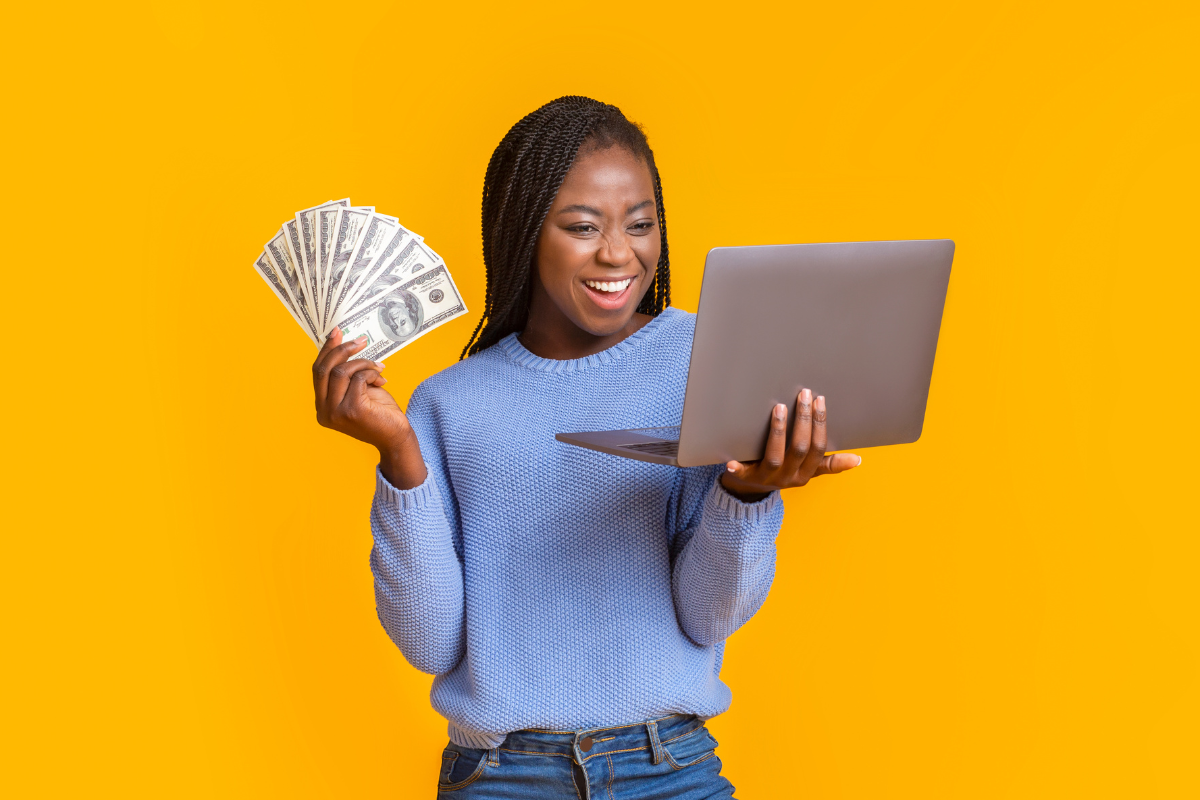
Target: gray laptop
854,321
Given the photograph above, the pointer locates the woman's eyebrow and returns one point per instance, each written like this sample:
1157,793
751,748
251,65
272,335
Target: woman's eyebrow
638,207
580,207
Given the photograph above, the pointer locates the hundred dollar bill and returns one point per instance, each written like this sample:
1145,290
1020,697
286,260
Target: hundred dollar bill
307,220
388,272
325,230
383,237
397,318
291,240
281,259
265,271
325,218
348,231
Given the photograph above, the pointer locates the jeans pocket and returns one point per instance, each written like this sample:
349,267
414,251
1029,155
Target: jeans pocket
460,769
691,748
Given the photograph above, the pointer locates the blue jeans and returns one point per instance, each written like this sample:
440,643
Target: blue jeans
673,757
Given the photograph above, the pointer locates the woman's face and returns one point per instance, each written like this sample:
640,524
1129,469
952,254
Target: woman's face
598,249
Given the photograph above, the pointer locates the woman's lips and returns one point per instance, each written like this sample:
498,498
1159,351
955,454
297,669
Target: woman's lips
610,301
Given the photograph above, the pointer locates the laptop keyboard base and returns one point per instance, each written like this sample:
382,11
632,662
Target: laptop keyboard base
654,448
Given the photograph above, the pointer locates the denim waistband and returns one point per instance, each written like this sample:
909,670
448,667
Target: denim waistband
583,745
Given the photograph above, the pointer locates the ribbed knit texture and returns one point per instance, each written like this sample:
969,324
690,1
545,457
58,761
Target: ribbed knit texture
549,586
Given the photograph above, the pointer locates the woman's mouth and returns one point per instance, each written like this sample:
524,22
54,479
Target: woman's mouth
609,295
609,286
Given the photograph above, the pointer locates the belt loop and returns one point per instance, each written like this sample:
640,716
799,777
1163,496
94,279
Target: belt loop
656,749
494,757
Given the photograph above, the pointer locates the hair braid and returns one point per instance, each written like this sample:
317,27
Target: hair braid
522,178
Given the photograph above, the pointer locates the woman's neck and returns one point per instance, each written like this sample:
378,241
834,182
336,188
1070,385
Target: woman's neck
549,333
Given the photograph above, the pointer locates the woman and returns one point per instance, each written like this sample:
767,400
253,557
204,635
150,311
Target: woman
573,605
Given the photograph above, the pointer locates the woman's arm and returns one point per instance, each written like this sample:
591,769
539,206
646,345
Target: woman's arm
417,568
418,575
724,551
724,556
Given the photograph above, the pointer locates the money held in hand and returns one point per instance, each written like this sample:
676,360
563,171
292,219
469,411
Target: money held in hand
342,266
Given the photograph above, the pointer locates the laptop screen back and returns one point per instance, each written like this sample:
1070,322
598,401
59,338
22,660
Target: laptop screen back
857,322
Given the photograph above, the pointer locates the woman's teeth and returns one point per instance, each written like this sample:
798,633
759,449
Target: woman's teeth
609,286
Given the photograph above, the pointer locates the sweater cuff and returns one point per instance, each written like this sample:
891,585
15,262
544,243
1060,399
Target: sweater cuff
735,508
406,499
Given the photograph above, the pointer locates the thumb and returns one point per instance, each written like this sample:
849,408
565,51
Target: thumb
838,462
735,468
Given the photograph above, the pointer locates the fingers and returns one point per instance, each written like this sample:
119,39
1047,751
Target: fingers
819,438
332,340
801,430
838,462
340,375
359,382
816,447
319,378
805,457
333,353
776,439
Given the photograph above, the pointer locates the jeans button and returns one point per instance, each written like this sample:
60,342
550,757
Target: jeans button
585,743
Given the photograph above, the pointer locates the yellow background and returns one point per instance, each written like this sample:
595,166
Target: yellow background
1006,609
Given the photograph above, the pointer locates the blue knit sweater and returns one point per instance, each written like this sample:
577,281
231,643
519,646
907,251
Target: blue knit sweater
549,586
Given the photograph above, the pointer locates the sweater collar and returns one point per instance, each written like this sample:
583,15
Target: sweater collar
514,350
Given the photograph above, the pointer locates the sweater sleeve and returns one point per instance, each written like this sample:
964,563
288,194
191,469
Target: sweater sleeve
417,561
723,555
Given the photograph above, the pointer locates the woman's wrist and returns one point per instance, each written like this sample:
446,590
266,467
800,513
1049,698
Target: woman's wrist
744,496
401,463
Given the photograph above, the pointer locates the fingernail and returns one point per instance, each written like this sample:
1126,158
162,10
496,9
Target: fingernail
383,380
331,333
806,396
731,466
780,411
380,364
859,460
361,339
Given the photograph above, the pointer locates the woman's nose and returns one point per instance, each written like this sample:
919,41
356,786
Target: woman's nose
615,250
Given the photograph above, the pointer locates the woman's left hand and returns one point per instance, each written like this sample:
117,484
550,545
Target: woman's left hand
783,466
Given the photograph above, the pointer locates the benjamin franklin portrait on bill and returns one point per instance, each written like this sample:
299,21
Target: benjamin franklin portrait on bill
400,316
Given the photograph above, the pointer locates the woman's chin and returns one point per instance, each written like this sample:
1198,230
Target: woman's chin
604,325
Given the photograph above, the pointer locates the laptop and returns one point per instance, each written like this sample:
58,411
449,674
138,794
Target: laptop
857,322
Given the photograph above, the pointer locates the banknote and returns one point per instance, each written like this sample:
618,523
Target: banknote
291,240
326,232
346,266
382,238
281,259
307,220
326,217
409,310
348,231
390,271
265,271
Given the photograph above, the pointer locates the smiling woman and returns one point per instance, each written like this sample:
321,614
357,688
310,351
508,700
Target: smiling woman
571,177
573,606
597,255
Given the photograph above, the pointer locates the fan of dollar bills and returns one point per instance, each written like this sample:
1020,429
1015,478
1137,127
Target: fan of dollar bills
341,266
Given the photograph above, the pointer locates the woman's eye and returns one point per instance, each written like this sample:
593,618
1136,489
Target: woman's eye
581,228
644,225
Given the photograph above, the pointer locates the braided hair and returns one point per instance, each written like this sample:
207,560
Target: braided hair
524,175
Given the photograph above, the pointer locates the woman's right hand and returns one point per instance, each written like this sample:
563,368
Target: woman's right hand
351,399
